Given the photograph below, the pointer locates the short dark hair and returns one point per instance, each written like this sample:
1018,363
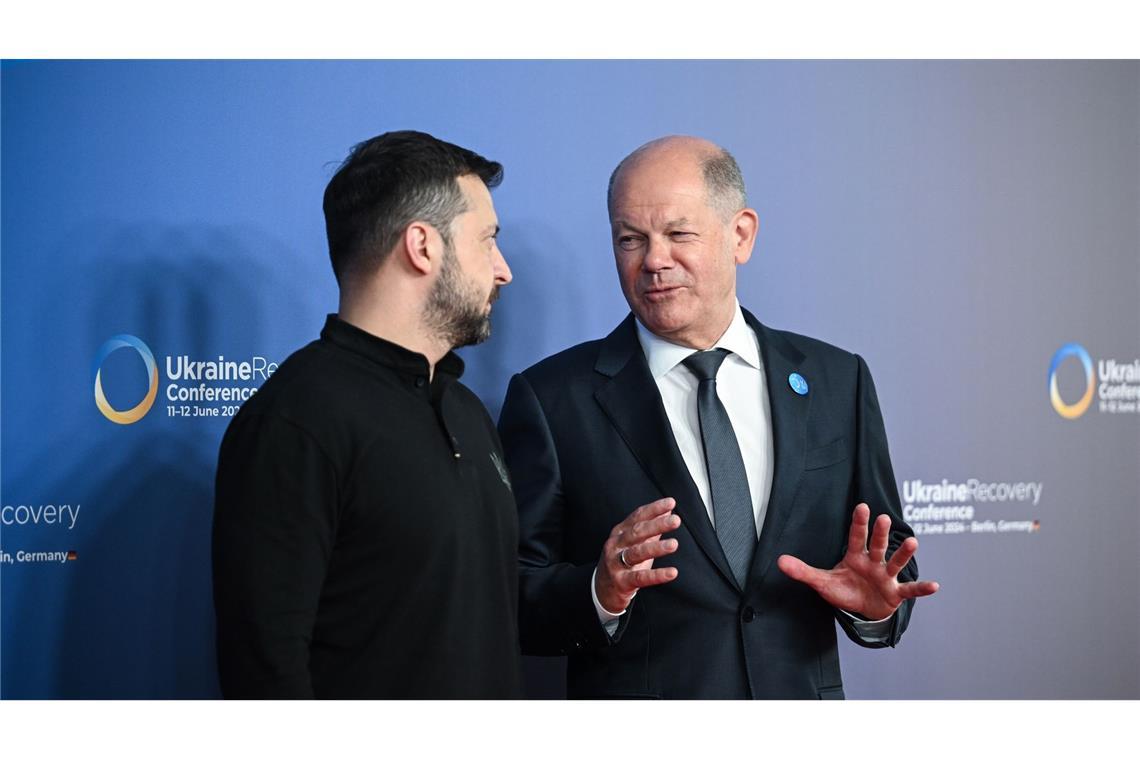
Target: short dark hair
387,183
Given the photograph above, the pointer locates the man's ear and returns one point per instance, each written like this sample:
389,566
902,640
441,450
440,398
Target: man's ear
744,227
421,247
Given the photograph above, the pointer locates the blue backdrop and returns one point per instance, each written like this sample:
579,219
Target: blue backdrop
956,223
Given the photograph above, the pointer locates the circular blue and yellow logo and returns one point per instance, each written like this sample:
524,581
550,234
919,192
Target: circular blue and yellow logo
1071,411
139,411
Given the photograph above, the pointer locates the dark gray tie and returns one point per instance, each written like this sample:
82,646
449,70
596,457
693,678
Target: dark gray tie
728,483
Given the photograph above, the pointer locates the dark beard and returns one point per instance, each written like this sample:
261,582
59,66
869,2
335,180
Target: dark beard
453,311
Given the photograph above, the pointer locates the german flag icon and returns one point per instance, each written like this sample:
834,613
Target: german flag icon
71,555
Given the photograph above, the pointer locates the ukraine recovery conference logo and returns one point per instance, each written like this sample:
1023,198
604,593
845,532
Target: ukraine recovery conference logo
1071,411
137,412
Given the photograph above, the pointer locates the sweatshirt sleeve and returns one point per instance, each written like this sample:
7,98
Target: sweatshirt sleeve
275,516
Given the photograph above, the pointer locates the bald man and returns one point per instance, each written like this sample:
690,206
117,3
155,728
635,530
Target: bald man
759,457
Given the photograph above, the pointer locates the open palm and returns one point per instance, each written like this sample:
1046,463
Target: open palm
865,581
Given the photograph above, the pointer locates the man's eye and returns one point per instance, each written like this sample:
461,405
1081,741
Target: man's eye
682,235
628,242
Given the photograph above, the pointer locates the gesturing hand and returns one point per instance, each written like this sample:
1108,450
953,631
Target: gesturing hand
864,581
627,557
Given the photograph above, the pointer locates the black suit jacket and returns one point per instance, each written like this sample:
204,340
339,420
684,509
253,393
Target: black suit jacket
587,440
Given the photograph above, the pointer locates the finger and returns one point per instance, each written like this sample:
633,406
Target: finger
650,529
879,538
648,512
798,570
857,537
654,577
901,556
915,589
650,550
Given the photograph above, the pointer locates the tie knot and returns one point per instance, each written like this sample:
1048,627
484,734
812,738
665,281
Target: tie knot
704,364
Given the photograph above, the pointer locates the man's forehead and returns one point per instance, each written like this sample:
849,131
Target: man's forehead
474,189
680,168
477,198
482,221
650,181
663,203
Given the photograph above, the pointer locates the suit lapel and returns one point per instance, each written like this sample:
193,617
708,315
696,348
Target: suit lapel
633,404
789,434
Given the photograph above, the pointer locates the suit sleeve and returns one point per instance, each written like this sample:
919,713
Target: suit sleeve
556,612
274,525
875,484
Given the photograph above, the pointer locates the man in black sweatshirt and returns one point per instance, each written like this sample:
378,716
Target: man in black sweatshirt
365,532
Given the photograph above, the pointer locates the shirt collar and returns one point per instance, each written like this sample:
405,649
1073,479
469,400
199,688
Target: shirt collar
385,352
663,356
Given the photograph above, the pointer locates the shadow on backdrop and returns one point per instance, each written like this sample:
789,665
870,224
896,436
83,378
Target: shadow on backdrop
133,615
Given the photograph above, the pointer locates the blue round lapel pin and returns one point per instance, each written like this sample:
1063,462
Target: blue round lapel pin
799,385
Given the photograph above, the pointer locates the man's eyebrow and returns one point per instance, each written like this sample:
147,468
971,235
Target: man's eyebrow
621,223
672,224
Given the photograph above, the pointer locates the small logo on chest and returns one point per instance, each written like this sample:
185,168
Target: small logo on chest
502,470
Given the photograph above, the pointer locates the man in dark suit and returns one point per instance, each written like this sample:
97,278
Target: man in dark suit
747,448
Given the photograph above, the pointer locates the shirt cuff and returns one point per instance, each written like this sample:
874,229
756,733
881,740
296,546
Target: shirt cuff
609,620
871,631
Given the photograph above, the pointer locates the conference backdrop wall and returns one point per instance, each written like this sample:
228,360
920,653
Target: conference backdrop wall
971,228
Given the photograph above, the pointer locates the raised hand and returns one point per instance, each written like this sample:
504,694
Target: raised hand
865,581
626,564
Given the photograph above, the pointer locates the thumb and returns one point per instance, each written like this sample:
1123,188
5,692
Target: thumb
798,570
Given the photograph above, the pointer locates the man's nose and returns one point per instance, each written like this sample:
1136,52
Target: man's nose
501,270
658,255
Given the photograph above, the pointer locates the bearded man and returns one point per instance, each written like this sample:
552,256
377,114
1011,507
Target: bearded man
364,530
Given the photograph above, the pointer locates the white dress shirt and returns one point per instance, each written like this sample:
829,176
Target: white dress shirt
742,388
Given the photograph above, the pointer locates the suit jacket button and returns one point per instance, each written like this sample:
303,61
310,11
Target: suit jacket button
748,615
